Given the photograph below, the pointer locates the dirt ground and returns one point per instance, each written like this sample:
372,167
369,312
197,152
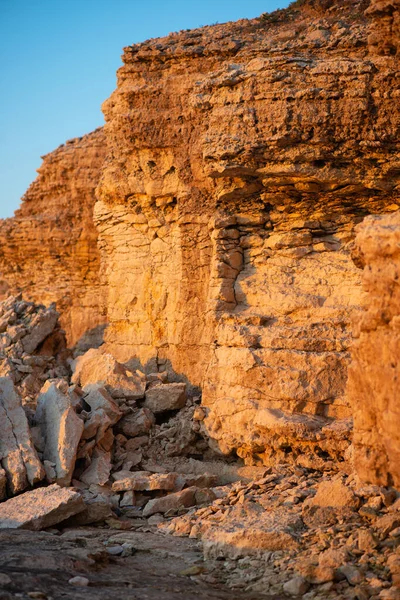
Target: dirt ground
40,565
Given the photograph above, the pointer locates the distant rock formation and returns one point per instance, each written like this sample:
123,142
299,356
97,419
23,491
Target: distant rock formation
48,250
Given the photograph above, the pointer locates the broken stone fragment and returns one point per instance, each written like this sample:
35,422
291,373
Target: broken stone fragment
387,523
352,574
96,367
61,429
334,494
93,424
296,586
157,378
96,510
17,453
169,396
138,423
98,472
205,480
128,499
143,481
98,398
40,508
259,530
40,327
172,502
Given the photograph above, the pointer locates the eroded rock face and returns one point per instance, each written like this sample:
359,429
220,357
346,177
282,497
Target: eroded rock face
241,158
48,250
374,372
384,36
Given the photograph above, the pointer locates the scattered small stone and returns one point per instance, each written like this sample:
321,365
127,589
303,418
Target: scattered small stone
296,586
115,550
4,579
191,571
79,581
352,574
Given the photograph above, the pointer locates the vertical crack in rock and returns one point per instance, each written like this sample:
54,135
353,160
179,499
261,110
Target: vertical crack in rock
17,453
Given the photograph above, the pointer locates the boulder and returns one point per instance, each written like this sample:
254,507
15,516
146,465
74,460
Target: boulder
97,367
98,398
172,502
143,481
138,423
41,326
297,586
334,494
98,472
40,508
17,453
61,429
169,396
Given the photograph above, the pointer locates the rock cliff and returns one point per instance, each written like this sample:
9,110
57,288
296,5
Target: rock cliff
374,373
241,157
48,250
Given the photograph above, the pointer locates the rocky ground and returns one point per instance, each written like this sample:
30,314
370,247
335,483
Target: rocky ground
80,563
106,469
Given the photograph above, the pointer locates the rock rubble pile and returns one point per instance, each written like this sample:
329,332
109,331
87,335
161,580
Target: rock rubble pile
93,424
301,533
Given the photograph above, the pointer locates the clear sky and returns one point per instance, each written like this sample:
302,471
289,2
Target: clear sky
58,60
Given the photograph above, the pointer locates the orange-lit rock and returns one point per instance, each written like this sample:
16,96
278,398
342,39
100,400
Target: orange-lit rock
374,373
241,158
48,250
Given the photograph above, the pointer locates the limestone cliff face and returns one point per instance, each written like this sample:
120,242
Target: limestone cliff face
374,373
48,250
241,157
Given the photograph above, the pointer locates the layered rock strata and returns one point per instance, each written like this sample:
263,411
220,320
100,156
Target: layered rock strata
384,32
241,157
48,250
374,372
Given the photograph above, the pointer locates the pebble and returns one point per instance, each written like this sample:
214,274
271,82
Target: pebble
115,550
352,574
4,579
79,581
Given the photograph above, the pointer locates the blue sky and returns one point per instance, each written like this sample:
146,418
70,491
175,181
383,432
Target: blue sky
57,65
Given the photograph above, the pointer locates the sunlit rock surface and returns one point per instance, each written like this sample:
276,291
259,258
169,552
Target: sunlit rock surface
48,250
241,157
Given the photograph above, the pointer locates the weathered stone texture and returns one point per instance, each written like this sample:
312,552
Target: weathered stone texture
40,508
375,369
384,32
48,250
241,158
18,456
61,429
